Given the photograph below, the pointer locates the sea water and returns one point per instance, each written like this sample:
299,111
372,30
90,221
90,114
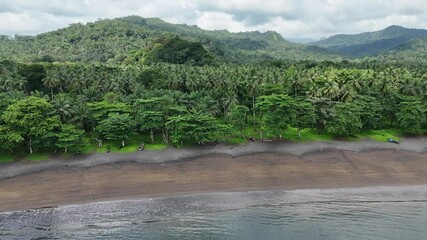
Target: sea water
365,213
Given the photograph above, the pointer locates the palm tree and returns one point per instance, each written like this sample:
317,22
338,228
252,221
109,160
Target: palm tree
409,86
63,107
81,114
252,89
39,94
331,89
51,81
348,93
385,83
227,101
356,81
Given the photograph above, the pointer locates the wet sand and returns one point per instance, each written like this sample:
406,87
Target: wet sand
67,184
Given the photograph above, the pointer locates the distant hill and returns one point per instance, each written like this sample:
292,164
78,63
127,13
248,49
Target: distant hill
372,43
412,51
127,39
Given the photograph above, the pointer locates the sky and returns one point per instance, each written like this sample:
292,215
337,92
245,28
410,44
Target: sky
291,18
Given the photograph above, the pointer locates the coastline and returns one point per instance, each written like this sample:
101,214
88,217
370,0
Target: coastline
223,168
14,169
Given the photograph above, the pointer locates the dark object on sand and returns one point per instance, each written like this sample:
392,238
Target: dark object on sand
252,139
391,140
141,147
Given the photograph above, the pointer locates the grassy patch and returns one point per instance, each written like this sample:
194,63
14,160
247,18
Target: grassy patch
37,157
155,146
307,135
237,140
6,158
381,135
126,149
132,146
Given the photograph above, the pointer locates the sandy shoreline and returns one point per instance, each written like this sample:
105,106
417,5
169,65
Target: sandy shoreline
255,166
416,145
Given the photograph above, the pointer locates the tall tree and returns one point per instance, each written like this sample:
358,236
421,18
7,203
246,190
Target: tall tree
277,112
238,117
304,115
51,81
347,121
117,127
197,127
30,118
411,116
70,137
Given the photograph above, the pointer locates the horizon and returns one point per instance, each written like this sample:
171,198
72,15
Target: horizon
315,19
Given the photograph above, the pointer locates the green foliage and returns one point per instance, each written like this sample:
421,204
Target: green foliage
29,119
179,51
9,139
70,137
411,116
151,113
120,41
102,110
37,157
347,120
382,135
5,158
238,117
277,111
370,110
304,100
155,146
306,135
117,127
304,114
196,127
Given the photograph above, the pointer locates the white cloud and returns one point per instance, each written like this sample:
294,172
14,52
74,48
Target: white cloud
219,21
291,18
10,22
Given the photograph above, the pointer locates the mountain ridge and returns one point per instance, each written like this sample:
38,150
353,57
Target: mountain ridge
115,40
128,39
371,43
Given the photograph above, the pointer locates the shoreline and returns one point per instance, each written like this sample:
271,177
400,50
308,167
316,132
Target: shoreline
63,183
362,189
170,154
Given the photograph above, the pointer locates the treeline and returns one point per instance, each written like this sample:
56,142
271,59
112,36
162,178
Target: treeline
49,106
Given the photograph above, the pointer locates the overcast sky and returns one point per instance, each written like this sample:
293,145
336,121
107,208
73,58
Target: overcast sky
291,18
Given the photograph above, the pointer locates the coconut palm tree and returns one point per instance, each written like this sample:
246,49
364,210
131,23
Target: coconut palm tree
51,81
63,106
331,89
80,116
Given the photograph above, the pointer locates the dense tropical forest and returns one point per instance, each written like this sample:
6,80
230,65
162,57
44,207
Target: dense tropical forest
91,88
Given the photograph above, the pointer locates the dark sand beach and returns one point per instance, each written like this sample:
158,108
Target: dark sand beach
222,168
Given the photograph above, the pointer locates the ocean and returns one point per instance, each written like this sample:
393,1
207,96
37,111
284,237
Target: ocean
360,213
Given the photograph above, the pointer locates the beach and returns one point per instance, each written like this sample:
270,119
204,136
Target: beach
222,168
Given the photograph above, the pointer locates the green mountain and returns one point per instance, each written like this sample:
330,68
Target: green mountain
392,39
131,38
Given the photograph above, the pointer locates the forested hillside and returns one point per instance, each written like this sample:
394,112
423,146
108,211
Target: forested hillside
414,51
372,43
125,39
